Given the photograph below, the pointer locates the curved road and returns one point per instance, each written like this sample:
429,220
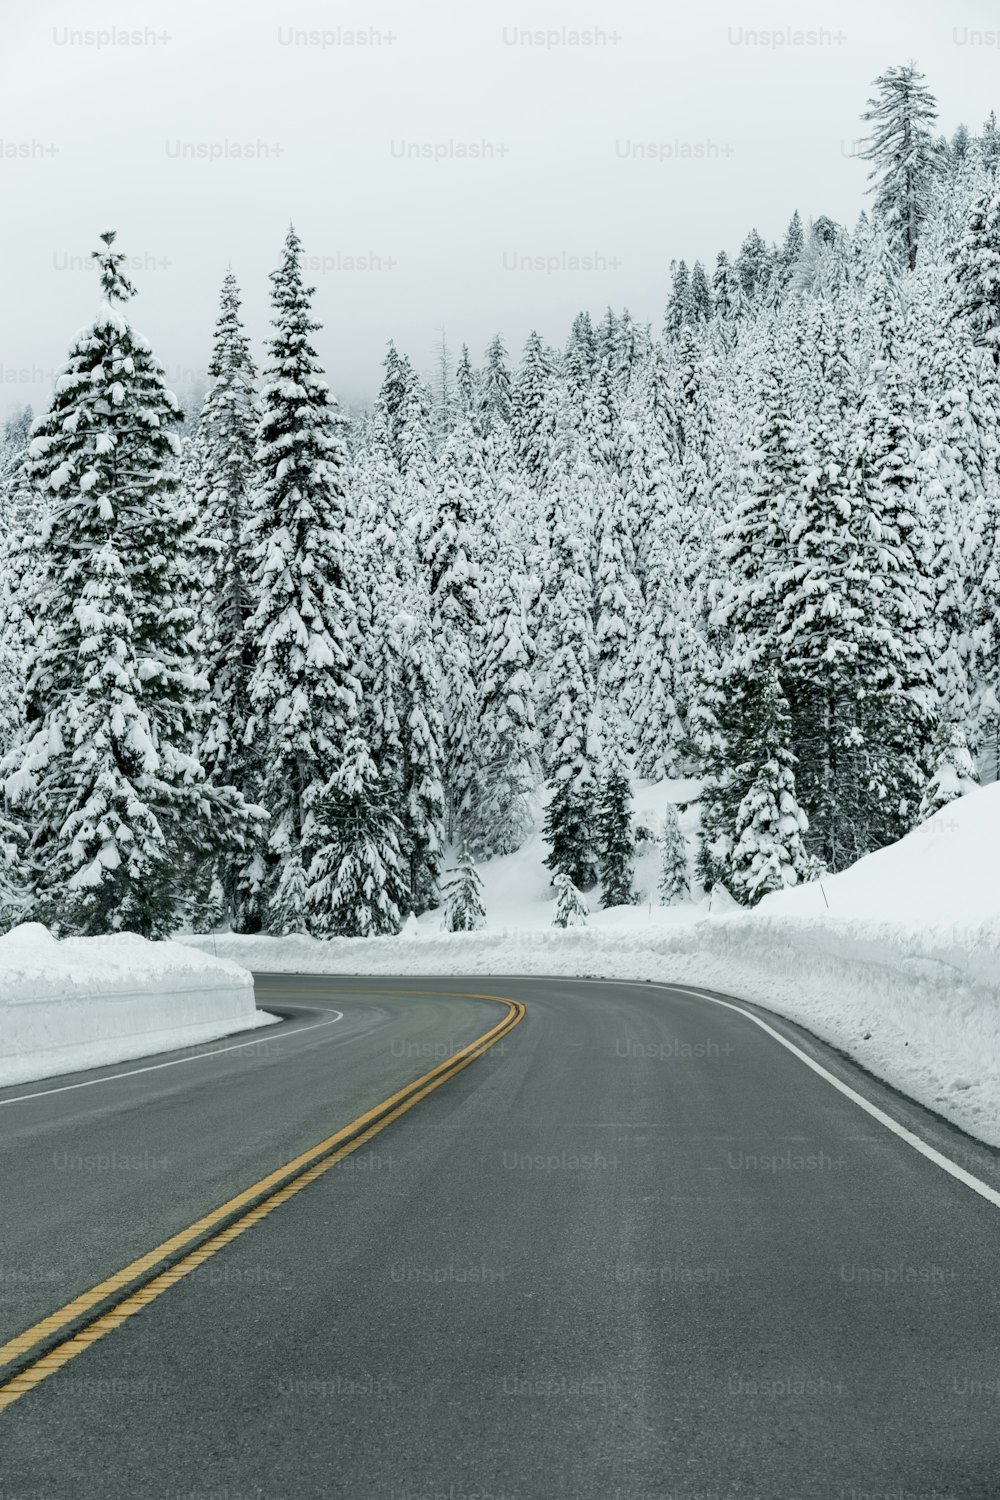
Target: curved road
637,1248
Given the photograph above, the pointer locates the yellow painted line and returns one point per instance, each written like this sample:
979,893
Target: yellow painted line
306,1169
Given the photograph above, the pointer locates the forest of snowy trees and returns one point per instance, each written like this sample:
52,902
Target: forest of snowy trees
265,675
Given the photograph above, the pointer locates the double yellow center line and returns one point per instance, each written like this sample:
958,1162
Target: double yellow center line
43,1349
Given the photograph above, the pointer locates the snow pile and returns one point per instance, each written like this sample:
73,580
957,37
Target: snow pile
84,1002
942,872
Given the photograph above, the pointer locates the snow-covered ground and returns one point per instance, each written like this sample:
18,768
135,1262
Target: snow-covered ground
896,961
84,1002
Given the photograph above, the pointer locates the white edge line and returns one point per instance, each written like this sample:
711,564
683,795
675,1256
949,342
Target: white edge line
945,1163
175,1062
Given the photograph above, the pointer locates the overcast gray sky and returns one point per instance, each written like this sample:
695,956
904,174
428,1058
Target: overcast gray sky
738,132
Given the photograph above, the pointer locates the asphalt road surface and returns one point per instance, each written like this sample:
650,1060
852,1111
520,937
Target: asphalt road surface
636,1248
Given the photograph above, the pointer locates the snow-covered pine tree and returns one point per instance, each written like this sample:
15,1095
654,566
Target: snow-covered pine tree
571,907
661,737
450,555
852,620
648,453
105,770
754,548
628,350
953,772
413,441
500,814
387,576
13,896
581,356
615,837
883,482
726,294
791,250
571,747
288,908
421,788
532,411
975,272
678,311
356,883
443,390
675,882
699,295
983,554
768,853
222,496
753,266
466,386
19,525
463,896
722,711
904,154
617,606
395,384
304,689
495,387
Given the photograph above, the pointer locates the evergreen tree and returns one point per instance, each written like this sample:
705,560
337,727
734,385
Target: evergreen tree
753,268
355,884
983,551
531,414
20,521
413,442
304,690
395,384
679,310
456,614
443,390
222,496
754,540
615,839
791,250
105,769
726,295
699,295
421,787
852,624
628,350
496,393
463,908
571,744
660,732
718,720
989,144
582,356
466,386
387,576
13,896
953,775
618,606
976,272
768,852
674,882
903,154
289,904
500,817
571,908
